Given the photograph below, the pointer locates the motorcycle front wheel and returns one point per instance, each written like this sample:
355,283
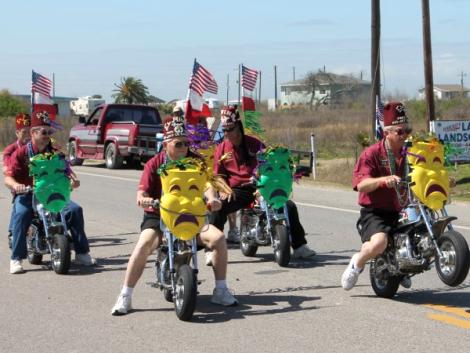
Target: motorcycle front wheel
185,293
383,284
453,267
60,256
281,245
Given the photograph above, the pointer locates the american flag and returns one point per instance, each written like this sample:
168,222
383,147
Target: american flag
379,118
202,80
249,77
41,84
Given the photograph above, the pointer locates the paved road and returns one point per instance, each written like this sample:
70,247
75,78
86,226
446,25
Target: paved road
297,309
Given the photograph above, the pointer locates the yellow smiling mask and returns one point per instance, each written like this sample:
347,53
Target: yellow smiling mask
182,205
430,182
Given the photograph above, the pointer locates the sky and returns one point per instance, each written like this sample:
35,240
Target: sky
90,45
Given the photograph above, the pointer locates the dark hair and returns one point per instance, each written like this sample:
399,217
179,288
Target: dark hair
246,155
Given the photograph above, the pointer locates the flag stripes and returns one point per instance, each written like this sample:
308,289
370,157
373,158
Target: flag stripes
249,77
41,84
202,80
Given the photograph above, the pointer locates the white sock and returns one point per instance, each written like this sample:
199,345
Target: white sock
127,291
356,267
221,284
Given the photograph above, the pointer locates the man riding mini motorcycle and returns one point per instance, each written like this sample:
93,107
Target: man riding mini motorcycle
18,179
175,146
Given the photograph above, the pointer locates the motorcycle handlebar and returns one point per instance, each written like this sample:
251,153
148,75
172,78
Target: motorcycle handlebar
27,190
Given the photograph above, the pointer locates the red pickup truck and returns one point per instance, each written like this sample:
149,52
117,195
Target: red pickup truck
116,133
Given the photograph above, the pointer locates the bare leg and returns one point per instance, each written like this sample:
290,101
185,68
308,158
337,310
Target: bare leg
214,239
370,249
147,243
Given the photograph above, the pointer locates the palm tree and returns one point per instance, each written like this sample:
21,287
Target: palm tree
131,91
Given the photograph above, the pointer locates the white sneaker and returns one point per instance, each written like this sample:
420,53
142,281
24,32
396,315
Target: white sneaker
406,282
123,305
351,274
233,236
16,266
84,259
222,296
209,255
303,252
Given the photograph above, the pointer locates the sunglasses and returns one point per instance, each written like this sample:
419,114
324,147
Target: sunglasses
180,144
229,129
401,132
45,132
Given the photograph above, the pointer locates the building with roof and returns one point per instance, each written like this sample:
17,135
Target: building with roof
323,88
446,92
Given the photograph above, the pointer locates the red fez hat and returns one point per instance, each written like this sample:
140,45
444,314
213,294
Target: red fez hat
41,118
173,126
229,116
22,120
394,114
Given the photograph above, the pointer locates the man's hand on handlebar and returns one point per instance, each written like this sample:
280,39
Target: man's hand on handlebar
214,205
21,189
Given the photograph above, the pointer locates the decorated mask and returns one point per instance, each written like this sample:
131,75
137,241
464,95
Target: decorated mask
429,177
275,176
208,155
182,206
51,183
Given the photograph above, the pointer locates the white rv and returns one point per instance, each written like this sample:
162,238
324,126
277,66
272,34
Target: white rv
84,106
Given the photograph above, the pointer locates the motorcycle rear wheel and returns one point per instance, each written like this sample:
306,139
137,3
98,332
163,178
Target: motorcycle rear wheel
185,293
383,284
281,245
60,257
246,246
453,268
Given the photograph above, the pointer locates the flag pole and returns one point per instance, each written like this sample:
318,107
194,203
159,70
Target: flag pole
239,82
32,93
189,93
259,95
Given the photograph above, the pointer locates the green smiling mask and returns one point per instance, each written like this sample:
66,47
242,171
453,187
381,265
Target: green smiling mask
275,176
51,183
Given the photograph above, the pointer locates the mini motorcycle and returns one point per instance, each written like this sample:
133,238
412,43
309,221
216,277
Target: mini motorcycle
261,225
183,214
48,234
424,235
176,271
266,221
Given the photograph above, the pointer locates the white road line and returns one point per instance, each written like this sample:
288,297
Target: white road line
352,211
298,203
107,176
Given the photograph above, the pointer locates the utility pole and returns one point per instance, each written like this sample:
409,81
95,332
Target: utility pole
428,79
375,61
275,87
293,72
462,74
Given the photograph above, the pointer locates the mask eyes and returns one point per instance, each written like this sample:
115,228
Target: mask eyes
269,169
175,188
437,160
283,167
194,187
421,159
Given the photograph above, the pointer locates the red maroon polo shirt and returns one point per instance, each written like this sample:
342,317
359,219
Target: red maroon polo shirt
150,180
19,164
373,163
236,170
8,152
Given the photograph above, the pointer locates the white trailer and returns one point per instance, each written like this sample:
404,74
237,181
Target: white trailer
84,106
